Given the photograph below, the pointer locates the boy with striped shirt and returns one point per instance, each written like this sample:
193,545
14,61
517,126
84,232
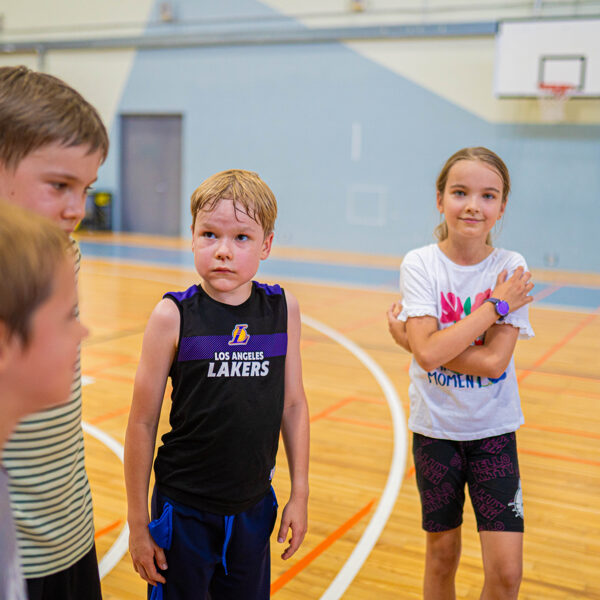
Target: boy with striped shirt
52,142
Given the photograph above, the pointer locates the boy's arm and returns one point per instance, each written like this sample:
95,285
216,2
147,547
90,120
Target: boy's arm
295,432
158,350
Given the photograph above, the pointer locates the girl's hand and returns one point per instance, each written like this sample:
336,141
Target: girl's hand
515,289
397,328
145,555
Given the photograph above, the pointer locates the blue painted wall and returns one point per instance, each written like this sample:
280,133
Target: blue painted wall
287,113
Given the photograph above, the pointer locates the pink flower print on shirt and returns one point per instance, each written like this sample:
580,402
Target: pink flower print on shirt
481,298
452,308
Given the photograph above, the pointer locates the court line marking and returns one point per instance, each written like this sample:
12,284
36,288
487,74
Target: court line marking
116,552
561,343
384,508
320,548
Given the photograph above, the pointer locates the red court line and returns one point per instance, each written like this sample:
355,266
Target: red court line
547,292
330,409
571,376
109,415
574,432
107,529
359,422
582,461
344,402
318,550
562,390
559,344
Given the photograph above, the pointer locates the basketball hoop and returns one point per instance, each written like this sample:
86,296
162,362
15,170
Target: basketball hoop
552,99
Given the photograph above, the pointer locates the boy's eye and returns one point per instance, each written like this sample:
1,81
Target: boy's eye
489,196
242,237
59,186
459,193
208,234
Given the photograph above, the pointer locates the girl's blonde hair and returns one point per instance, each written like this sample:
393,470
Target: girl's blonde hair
477,153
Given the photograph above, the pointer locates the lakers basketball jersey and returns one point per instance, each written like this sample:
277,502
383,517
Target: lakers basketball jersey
227,400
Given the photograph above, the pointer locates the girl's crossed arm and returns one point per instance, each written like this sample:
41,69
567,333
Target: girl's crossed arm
158,350
433,347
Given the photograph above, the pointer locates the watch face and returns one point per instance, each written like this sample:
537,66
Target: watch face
502,308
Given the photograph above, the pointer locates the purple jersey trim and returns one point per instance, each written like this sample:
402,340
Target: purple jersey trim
202,347
181,296
270,290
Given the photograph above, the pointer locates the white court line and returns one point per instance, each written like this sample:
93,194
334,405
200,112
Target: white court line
117,550
373,530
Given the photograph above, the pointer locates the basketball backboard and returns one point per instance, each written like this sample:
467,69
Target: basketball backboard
547,52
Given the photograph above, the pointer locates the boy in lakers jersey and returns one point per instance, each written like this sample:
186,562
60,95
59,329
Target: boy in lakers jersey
231,348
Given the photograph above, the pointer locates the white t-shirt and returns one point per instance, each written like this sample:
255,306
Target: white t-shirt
445,404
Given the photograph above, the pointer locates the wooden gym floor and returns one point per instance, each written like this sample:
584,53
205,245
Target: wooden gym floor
354,435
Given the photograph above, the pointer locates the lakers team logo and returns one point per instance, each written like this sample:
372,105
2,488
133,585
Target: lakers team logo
239,336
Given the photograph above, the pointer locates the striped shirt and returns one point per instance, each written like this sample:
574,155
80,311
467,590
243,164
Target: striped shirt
49,490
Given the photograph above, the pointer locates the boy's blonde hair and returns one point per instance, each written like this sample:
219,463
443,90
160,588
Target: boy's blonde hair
248,192
477,153
37,109
31,249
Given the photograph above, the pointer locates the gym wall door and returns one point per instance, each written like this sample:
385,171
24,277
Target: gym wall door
151,174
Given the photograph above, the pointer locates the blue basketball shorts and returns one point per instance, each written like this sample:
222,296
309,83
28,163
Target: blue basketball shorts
213,557
489,467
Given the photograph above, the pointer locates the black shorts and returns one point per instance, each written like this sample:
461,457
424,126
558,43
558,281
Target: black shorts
79,582
489,466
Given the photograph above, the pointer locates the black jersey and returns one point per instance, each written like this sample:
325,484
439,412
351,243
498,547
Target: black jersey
227,400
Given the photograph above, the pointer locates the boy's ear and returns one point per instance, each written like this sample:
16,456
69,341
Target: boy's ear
3,181
192,230
266,248
5,347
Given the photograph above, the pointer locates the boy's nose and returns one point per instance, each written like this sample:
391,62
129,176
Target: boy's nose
75,209
223,250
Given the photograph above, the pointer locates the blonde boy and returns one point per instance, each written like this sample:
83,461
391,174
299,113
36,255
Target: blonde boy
231,348
39,338
51,144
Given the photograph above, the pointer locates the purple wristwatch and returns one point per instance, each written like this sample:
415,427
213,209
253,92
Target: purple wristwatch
501,306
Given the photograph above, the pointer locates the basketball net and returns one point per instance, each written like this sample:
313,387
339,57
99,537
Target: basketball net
553,99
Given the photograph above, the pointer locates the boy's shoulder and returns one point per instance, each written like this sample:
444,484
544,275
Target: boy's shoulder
184,295
269,289
196,291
